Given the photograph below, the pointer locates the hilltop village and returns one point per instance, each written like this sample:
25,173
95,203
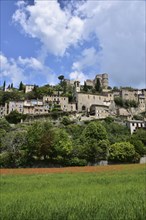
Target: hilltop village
93,100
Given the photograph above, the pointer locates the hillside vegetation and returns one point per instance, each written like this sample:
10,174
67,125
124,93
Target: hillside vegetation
44,144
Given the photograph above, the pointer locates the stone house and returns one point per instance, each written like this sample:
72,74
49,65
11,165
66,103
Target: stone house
136,124
60,100
35,107
29,88
86,100
15,106
103,80
100,111
127,94
124,113
3,110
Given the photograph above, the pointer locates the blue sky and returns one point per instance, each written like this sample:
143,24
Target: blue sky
43,39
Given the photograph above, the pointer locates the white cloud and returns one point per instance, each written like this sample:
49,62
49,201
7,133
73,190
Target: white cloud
55,28
26,70
88,58
77,75
120,28
30,63
10,70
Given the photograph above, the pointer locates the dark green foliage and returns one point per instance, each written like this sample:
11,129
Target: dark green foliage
138,117
109,120
4,124
85,87
71,144
13,147
116,89
11,85
95,130
61,78
15,117
140,134
138,145
125,103
39,92
93,139
66,120
21,86
4,85
98,87
116,132
10,96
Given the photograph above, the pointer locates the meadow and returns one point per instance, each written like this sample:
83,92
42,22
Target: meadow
96,193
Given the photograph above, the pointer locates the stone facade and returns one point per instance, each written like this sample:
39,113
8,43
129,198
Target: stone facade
129,94
29,88
100,111
103,80
3,110
124,113
84,100
15,105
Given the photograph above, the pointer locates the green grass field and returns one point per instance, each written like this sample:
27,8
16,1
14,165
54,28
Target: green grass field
117,195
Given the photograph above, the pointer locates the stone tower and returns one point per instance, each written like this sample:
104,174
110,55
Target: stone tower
105,80
77,86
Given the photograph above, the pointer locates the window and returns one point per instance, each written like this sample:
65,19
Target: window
83,108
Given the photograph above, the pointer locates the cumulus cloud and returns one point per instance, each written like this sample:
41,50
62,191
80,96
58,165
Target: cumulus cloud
26,70
57,29
119,27
89,58
30,63
10,70
77,75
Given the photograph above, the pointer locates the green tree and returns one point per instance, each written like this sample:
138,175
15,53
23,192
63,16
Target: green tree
95,130
122,152
11,85
4,128
21,86
66,120
138,145
40,140
15,117
94,151
62,144
14,141
61,78
94,142
85,87
4,85
98,87
4,124
140,135
12,147
116,132
34,135
46,142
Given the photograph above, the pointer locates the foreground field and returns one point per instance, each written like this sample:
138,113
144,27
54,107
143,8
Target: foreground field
96,193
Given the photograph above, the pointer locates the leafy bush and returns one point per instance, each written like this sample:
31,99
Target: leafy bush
66,120
15,117
122,152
